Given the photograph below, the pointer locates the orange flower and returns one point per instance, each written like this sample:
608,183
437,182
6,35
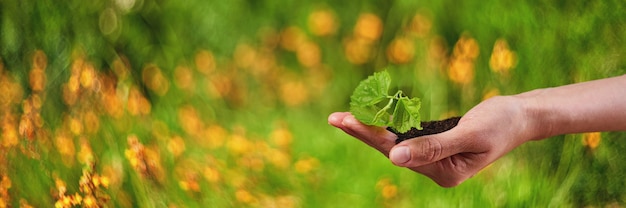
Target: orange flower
154,79
322,22
387,189
368,26
592,140
461,66
306,165
420,25
282,137
87,76
183,78
176,145
401,50
40,61
65,145
214,136
294,92
212,175
291,37
491,93
205,63
245,197
502,58
308,54
37,79
137,103
461,71
358,50
245,55
191,122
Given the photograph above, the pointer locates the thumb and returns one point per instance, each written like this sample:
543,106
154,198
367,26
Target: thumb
425,150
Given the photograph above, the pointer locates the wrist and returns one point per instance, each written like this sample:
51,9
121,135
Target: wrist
537,118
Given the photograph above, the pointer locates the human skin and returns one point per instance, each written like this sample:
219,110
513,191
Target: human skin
496,126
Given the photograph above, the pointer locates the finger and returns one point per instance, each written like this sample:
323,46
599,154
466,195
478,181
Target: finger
376,137
336,118
429,149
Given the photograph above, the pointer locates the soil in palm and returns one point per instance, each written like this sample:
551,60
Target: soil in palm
428,128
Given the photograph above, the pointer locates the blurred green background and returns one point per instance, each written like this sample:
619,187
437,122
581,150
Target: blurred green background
142,103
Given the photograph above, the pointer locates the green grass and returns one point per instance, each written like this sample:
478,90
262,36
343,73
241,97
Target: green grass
229,118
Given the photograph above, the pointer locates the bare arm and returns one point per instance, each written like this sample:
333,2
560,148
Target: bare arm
598,105
497,125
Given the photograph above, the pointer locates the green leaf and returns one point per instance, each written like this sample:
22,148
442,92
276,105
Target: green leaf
372,90
366,106
366,96
406,114
371,115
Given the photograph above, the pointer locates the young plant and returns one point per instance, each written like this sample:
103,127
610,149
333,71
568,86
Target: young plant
371,104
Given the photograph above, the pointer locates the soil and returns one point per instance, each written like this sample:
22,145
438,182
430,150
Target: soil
428,128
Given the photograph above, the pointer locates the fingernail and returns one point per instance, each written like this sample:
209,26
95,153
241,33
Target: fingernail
400,155
332,119
348,121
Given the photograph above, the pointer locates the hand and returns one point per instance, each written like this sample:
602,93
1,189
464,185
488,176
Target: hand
484,134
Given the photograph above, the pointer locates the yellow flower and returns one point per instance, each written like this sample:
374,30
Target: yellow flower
502,58
91,121
279,159
306,165
308,54
176,146
491,93
369,26
291,37
238,144
214,136
466,47
358,50
592,140
205,63
121,67
87,76
293,92
212,175
246,197
75,125
5,183
189,118
282,137
37,79
461,71
401,50
420,25
9,131
183,77
40,61
322,22
137,103
89,201
389,191
154,79
461,66
105,181
245,55
65,145
85,156
10,91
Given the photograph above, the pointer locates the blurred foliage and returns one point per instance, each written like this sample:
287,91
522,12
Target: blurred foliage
146,103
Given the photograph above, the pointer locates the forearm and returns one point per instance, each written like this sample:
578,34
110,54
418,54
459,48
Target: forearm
598,105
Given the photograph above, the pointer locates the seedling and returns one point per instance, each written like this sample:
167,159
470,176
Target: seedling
368,105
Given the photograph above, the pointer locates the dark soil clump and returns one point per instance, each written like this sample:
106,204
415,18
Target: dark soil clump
428,128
